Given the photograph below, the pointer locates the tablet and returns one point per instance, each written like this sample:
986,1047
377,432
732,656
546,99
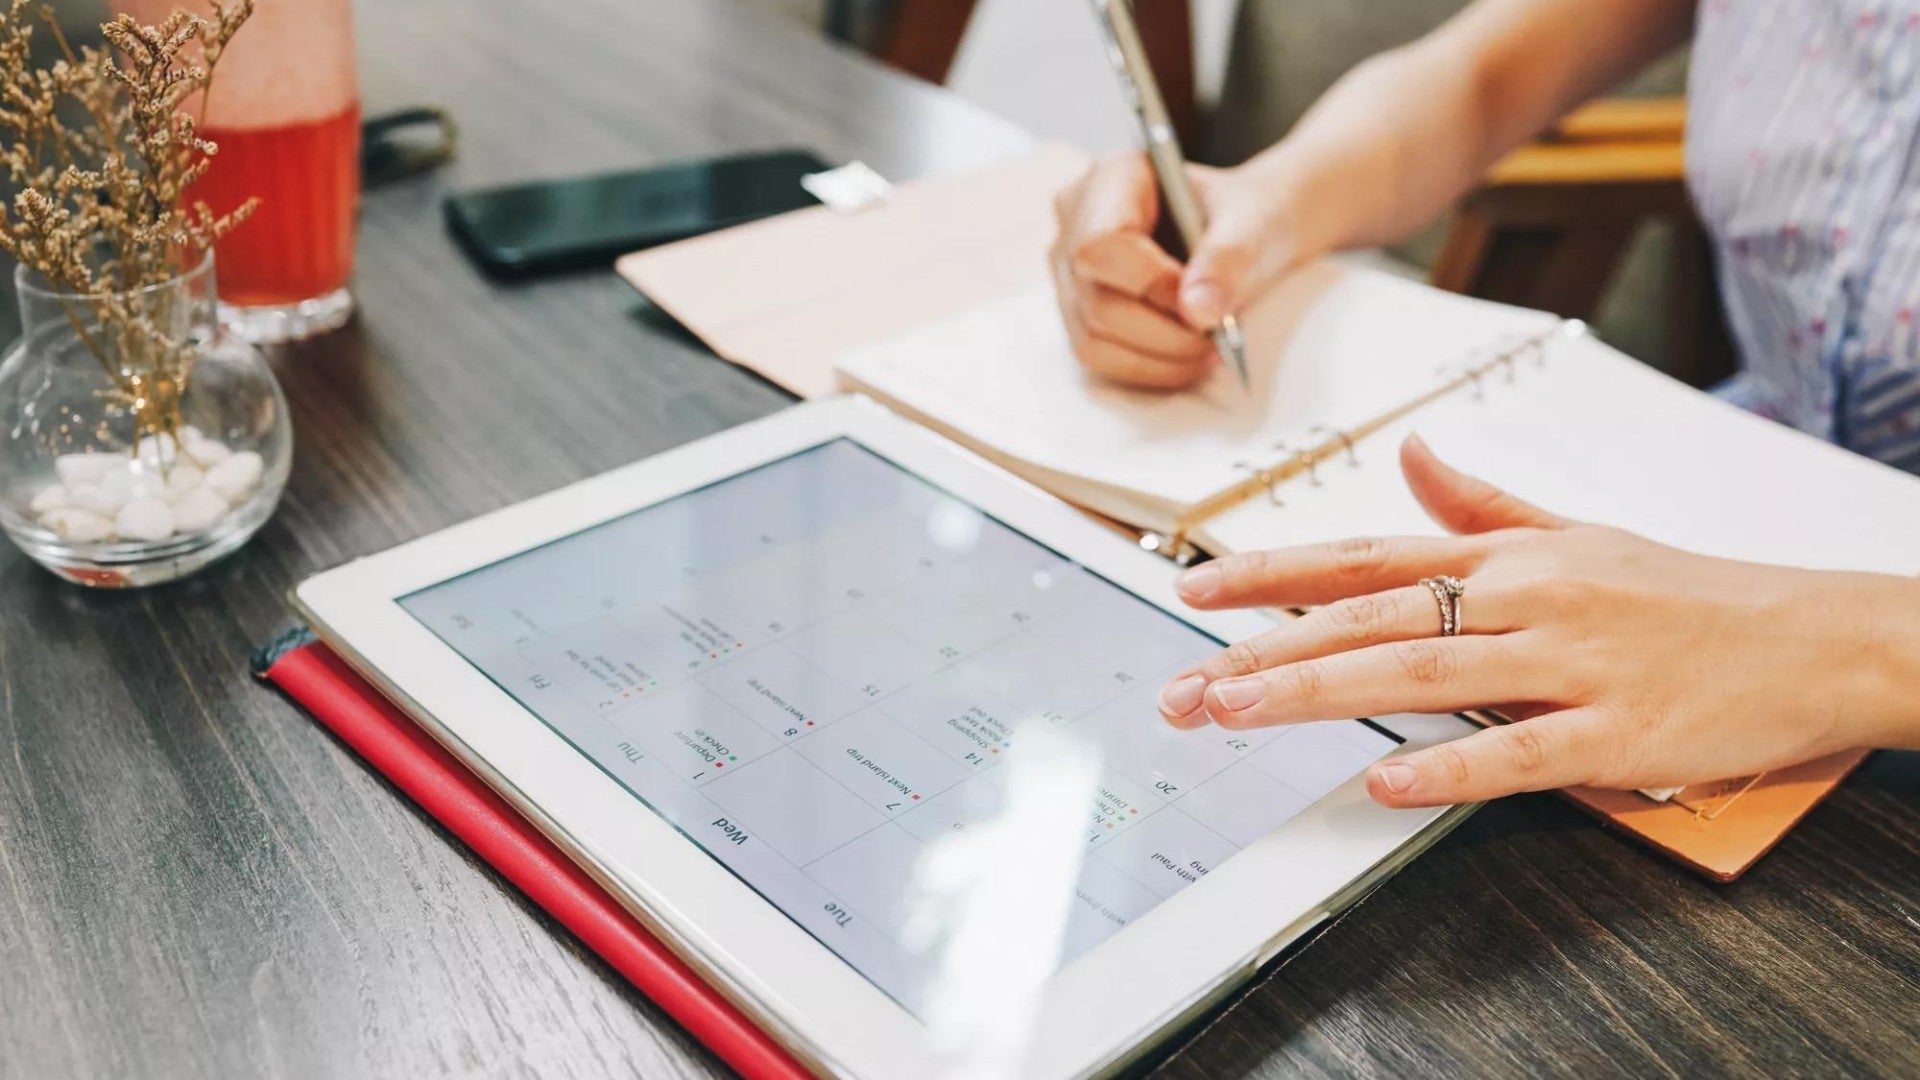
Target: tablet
864,729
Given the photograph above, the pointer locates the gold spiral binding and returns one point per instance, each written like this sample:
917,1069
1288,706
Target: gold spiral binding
1269,478
1346,442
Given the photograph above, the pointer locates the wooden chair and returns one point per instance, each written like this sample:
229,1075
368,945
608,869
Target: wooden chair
1550,224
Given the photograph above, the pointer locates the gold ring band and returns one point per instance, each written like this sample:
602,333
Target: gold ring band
1447,591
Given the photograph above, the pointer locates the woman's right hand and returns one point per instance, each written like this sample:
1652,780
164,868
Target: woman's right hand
1133,313
1396,141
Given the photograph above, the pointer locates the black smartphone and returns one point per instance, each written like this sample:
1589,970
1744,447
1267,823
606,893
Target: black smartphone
588,221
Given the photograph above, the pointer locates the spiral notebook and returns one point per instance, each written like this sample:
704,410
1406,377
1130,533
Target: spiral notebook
1347,361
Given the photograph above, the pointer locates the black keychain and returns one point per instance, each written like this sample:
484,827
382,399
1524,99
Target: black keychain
387,153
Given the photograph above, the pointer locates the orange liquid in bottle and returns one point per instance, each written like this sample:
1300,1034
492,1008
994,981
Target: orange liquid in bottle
299,243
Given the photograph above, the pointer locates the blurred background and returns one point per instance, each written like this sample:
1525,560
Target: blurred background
1569,227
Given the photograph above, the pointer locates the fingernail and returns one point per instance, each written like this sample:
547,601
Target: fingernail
1237,694
1398,776
1205,302
1182,695
1199,583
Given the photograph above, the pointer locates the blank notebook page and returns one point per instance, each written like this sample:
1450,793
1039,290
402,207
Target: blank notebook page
1334,346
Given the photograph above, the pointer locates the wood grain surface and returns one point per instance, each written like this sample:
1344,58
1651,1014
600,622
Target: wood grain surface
197,881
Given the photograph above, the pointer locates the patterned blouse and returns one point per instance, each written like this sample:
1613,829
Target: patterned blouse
1803,152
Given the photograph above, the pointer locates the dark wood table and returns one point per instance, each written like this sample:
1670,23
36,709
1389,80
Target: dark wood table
195,880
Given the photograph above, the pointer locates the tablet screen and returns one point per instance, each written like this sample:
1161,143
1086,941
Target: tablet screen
824,672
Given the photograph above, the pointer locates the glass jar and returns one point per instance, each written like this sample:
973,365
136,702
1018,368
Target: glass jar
284,108
138,440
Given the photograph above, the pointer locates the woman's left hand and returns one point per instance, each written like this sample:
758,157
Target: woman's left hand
1633,664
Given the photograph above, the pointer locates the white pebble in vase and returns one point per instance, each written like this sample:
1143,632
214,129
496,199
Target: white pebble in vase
77,469
198,510
155,451
106,497
78,526
52,497
207,453
117,483
183,478
90,498
236,477
146,485
144,519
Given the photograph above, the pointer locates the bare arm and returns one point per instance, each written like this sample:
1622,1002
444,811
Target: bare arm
1384,152
1409,131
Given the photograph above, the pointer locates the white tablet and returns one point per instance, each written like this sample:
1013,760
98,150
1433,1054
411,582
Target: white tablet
864,728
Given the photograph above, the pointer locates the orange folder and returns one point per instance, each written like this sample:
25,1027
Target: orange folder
1721,829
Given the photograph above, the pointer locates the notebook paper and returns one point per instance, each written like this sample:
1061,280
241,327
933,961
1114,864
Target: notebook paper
1583,430
1334,346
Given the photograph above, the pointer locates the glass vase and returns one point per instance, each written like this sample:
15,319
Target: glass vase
139,441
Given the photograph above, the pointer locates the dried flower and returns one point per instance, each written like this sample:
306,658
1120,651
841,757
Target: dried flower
101,151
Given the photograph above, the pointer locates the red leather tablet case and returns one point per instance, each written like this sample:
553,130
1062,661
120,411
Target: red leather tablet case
386,739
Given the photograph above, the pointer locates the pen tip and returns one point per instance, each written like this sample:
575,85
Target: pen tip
1233,349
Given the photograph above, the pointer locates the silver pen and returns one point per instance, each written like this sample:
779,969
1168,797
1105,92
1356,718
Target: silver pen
1142,91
